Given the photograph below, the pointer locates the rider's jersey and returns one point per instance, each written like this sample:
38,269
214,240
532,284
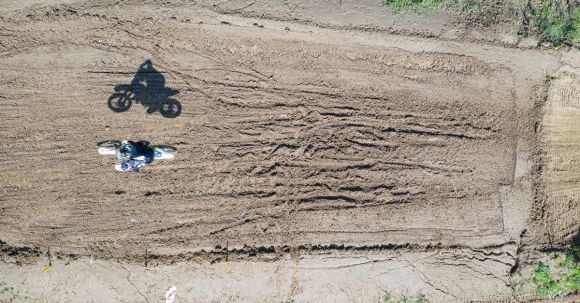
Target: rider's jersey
137,151
134,156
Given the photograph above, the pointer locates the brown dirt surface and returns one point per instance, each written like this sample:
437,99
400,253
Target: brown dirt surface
300,144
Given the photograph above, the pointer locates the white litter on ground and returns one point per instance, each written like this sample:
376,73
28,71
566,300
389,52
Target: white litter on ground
170,294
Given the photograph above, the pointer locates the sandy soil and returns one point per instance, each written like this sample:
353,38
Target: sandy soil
303,145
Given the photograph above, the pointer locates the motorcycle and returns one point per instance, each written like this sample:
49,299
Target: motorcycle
125,94
112,147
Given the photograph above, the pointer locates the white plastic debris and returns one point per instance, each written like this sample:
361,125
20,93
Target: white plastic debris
170,294
243,216
134,221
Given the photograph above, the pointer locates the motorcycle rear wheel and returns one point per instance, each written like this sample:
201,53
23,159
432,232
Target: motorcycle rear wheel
170,108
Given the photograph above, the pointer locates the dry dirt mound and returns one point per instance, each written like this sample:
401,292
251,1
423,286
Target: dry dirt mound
562,172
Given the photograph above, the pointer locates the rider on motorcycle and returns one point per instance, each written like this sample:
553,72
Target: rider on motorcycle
134,155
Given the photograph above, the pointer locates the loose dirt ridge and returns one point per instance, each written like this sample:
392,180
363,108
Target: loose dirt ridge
296,143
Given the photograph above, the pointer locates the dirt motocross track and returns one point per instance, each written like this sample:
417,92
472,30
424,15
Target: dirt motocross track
295,142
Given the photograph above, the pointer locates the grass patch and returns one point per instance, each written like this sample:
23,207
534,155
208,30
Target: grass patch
428,6
556,21
561,277
388,298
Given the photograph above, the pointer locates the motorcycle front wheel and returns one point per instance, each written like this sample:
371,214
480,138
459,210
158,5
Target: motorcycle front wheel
119,102
109,143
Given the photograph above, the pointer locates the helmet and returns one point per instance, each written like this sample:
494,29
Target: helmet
125,151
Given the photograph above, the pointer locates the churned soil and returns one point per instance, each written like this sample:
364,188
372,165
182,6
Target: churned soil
297,142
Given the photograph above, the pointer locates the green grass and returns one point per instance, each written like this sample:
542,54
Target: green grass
561,278
574,33
388,298
427,6
556,21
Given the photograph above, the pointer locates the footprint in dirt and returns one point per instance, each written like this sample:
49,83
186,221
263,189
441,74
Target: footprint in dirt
148,88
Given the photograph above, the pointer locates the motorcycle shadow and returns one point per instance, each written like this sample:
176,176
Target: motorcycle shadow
147,88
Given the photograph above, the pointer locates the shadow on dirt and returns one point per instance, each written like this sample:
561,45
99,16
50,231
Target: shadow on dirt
147,88
575,247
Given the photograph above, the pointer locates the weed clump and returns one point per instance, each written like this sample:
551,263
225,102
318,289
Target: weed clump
561,278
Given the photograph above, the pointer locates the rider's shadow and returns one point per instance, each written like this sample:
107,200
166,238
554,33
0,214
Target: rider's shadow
147,88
